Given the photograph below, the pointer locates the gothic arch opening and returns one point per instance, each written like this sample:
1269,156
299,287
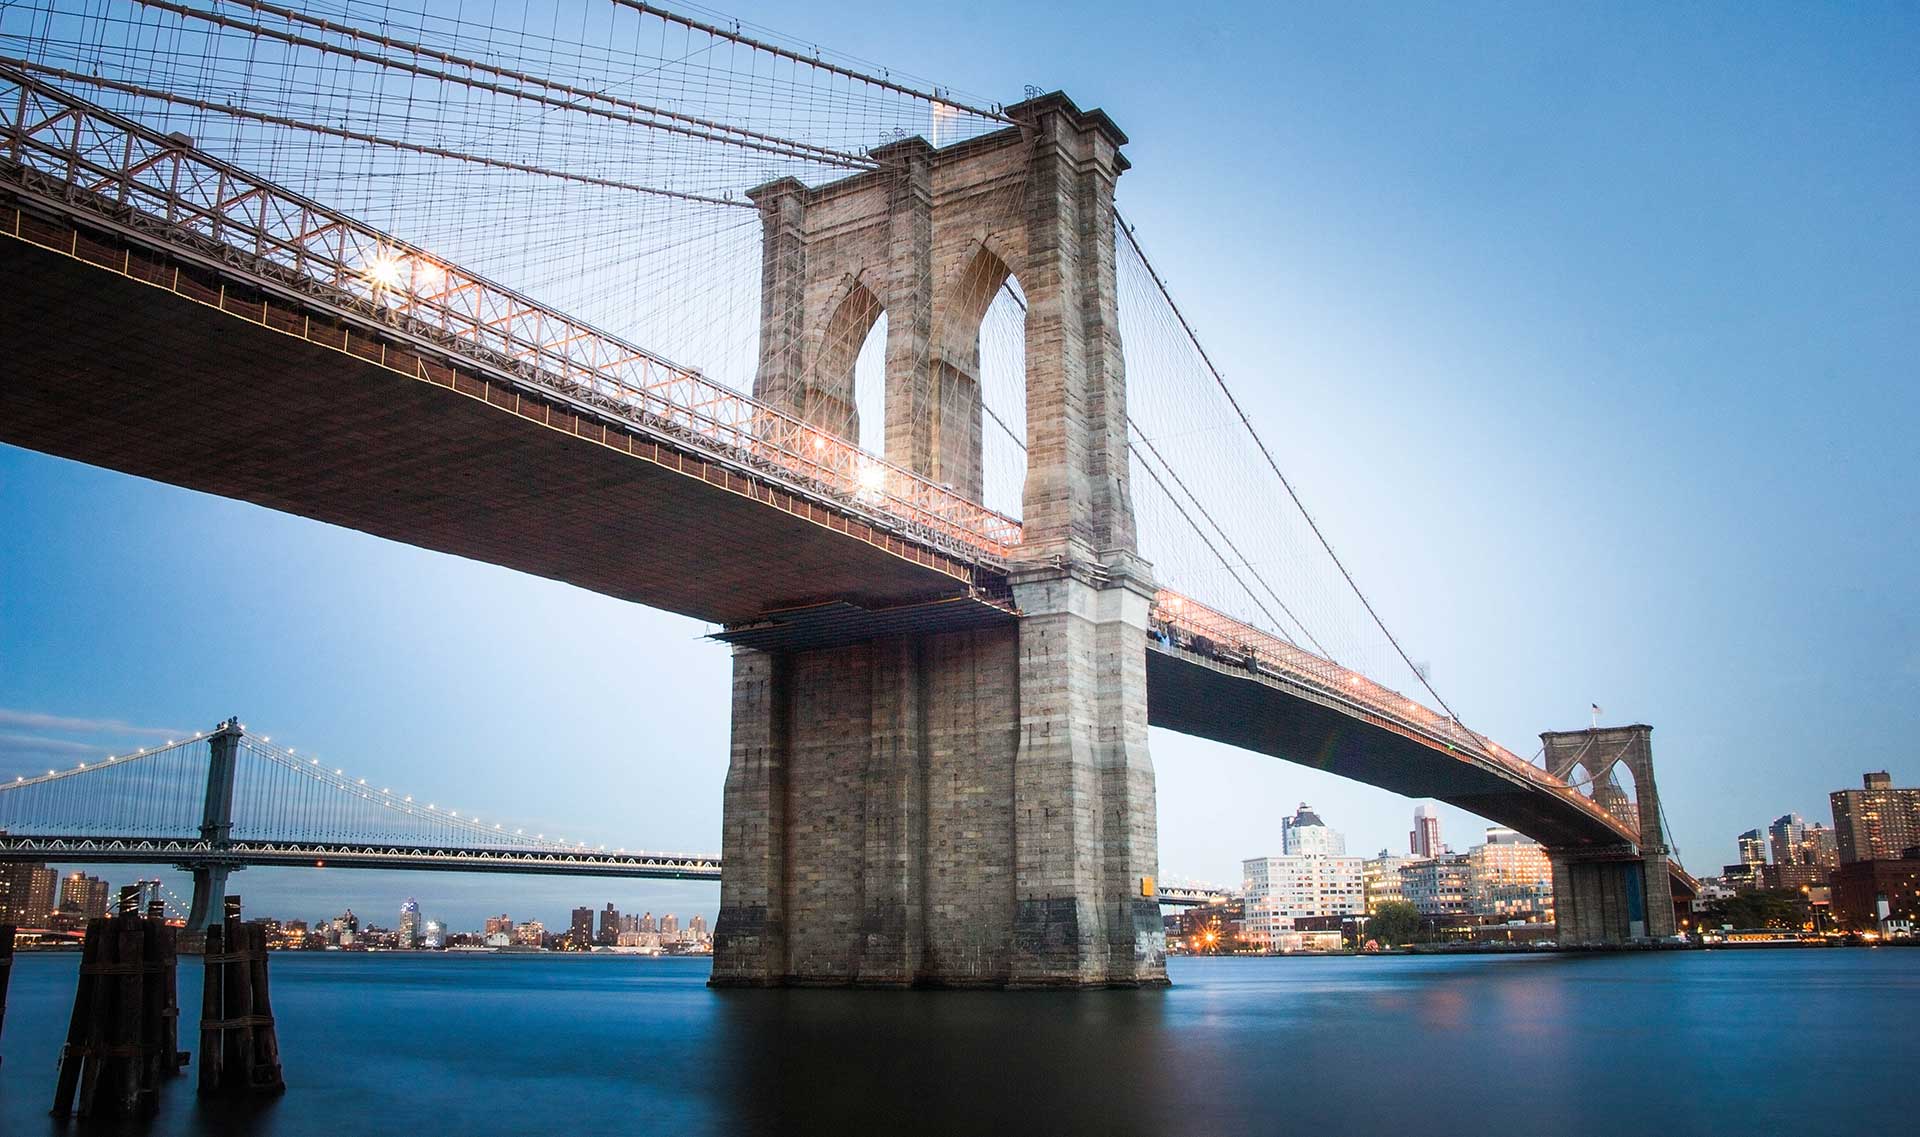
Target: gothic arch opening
980,379
855,331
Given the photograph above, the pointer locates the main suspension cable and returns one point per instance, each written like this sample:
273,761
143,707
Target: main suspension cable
511,92
823,154
811,61
356,136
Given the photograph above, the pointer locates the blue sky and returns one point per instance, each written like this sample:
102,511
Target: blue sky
1591,336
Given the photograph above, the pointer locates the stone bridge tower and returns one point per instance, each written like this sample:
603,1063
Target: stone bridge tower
967,808
1620,894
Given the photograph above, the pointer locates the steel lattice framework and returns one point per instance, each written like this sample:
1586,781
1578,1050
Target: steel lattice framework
71,156
163,190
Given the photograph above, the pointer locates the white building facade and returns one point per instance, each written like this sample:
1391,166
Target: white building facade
1280,890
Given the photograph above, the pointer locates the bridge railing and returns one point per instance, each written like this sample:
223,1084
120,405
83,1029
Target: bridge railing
164,188
1195,625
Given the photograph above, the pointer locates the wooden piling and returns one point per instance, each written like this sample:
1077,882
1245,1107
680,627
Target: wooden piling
6,971
117,1045
239,1050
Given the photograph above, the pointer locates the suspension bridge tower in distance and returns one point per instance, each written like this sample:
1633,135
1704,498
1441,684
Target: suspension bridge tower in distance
970,807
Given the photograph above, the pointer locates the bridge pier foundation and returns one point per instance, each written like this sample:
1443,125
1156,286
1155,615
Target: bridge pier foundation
1610,898
966,809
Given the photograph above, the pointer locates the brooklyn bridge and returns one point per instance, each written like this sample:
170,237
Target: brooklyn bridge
884,387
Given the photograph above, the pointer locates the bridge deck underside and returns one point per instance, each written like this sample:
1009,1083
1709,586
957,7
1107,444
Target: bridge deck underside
110,371
1234,706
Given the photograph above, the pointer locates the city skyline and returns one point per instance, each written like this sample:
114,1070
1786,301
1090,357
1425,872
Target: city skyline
1536,287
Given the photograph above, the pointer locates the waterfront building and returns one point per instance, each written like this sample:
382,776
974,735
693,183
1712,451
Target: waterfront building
532,933
1279,890
580,928
26,894
1710,891
646,923
433,935
1210,928
697,927
1859,887
669,925
1305,835
1436,886
498,926
1380,879
407,935
82,896
1753,847
609,925
1424,841
1876,823
1510,877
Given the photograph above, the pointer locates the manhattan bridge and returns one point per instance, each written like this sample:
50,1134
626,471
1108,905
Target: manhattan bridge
871,374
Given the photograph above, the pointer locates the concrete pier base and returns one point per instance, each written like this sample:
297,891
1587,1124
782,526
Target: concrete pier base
970,809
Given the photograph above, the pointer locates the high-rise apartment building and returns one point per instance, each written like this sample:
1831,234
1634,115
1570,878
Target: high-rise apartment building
1876,823
669,924
1788,837
580,928
532,933
83,896
26,894
609,925
408,935
1305,835
1424,841
499,925
1510,877
1753,847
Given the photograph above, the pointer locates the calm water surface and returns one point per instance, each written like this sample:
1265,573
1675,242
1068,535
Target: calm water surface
1720,1042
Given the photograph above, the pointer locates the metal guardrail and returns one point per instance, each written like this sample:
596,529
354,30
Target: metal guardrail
188,198
172,192
1193,624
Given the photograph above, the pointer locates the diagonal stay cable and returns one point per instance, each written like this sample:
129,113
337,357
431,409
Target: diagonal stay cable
1218,379
1197,504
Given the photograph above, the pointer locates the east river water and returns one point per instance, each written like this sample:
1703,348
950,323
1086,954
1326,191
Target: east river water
1736,1042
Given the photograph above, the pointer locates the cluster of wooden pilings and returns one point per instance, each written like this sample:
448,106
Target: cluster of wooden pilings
123,1039
6,969
124,1036
239,1050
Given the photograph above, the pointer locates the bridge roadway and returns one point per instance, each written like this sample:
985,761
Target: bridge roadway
357,855
139,350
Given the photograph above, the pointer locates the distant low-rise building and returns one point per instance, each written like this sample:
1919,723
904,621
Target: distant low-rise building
1206,929
1437,886
1510,877
1859,887
530,933
1380,879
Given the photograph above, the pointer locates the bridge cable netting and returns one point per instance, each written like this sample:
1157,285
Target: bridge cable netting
597,157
